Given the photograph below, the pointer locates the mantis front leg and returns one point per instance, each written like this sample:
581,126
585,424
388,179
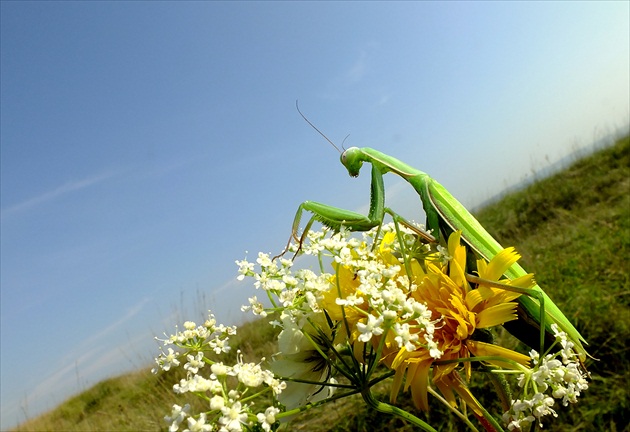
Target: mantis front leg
337,218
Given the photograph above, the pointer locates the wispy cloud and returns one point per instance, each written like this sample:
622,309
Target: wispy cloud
164,168
56,193
231,285
92,358
130,314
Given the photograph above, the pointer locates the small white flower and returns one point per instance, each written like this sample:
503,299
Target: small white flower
268,418
166,361
219,369
390,272
199,425
244,268
373,327
219,345
217,402
404,337
182,387
233,417
178,414
250,374
200,384
210,322
434,350
389,315
195,362
351,300
444,254
263,260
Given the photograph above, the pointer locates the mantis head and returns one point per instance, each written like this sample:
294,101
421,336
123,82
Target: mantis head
352,159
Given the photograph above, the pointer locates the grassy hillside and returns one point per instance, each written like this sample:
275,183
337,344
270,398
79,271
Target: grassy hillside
573,231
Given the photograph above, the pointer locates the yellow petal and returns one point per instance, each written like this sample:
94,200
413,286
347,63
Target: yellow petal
419,392
439,371
526,281
447,392
482,265
503,296
406,356
496,315
388,239
476,296
416,270
346,282
454,382
398,380
454,241
458,263
483,349
499,264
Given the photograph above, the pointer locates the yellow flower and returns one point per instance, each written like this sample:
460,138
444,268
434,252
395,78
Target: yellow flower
343,284
463,310
420,353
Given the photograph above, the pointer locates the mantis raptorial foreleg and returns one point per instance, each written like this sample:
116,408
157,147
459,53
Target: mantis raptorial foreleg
336,218
444,214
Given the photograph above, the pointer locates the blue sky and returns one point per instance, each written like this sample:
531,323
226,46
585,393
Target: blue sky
146,146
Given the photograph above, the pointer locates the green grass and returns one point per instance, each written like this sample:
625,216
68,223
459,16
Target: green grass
573,231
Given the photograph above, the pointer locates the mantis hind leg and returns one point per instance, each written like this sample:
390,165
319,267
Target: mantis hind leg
524,291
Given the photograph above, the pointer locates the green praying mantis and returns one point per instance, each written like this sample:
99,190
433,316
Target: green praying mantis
444,215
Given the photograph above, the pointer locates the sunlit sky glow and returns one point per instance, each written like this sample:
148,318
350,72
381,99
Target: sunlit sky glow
147,145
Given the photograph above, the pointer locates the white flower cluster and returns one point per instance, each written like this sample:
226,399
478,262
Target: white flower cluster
295,293
224,386
389,305
564,378
194,338
359,308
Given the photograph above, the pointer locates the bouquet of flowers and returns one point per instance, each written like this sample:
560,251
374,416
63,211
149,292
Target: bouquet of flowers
388,307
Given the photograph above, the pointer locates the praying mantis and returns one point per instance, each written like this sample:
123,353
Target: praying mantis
444,214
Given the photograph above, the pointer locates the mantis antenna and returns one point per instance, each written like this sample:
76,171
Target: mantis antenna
318,131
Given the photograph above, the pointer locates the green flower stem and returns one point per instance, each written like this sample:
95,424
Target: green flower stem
402,249
383,377
345,369
319,383
272,301
519,368
377,357
503,389
392,410
455,411
321,263
343,309
316,404
256,395
491,420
